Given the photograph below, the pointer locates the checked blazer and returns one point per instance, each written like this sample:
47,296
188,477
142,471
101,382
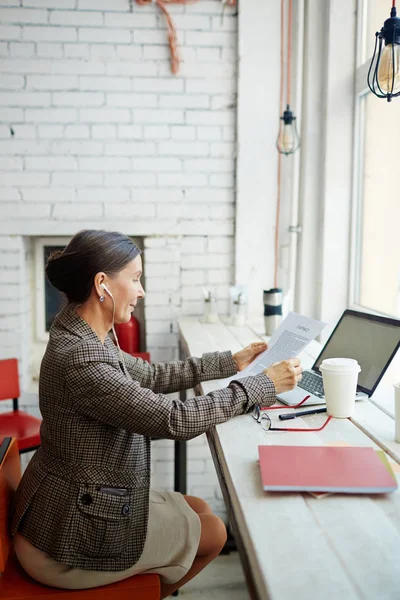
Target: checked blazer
84,497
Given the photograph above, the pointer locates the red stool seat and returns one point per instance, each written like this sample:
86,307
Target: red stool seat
25,428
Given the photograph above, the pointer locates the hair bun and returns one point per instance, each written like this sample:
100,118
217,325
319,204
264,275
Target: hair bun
54,255
57,270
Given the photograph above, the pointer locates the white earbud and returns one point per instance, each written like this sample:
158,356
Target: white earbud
105,288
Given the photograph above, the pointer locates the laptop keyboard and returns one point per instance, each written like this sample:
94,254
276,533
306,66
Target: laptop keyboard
312,383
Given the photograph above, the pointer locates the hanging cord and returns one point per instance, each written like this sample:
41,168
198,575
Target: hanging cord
172,37
281,108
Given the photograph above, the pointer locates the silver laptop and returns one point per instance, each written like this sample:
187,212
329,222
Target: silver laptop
373,341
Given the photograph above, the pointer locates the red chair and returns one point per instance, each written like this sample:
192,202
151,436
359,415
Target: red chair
15,584
17,423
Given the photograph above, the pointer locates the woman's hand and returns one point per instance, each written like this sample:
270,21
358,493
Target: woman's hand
244,357
285,374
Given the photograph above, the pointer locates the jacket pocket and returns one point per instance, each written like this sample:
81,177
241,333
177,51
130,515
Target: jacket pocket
103,521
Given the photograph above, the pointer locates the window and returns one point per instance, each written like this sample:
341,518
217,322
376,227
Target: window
376,240
49,300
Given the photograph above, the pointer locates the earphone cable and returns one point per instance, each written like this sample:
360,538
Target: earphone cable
116,337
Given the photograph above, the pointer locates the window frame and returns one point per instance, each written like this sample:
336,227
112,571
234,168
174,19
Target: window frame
40,322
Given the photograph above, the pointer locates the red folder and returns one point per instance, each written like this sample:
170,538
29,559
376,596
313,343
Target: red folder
349,470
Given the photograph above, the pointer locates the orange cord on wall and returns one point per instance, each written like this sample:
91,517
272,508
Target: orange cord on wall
172,37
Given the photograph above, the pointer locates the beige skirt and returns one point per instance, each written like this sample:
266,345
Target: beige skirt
171,545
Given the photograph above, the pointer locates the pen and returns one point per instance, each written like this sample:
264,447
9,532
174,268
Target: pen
300,414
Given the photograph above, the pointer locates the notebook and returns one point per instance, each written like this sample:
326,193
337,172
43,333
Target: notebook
348,470
371,339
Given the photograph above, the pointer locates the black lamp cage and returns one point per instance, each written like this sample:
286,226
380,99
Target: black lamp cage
390,34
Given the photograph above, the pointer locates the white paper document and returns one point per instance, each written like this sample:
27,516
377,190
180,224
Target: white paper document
292,336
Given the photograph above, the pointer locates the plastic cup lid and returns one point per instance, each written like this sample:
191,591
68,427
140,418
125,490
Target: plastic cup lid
340,364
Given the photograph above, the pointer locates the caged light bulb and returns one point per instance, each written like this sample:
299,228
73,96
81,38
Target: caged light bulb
390,58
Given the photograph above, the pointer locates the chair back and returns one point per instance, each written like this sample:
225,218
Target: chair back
9,380
10,475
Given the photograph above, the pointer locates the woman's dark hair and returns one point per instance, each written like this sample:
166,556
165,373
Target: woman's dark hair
90,251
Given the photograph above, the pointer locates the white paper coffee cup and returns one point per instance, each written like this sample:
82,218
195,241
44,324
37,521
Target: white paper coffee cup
397,412
340,376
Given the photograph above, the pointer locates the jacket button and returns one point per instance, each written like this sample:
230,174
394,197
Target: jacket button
86,499
126,509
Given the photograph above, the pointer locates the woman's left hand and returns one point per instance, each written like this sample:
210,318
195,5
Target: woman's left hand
244,357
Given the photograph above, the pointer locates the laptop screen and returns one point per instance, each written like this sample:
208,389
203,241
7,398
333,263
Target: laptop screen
370,339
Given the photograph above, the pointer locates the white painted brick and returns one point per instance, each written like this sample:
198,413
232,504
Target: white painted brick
185,101
77,131
157,255
194,148
10,32
211,261
50,163
220,245
76,17
133,132
209,133
210,117
132,69
212,85
24,179
104,115
156,164
158,85
104,36
53,50
129,211
19,210
156,196
71,178
111,84
5,131
154,242
104,5
51,194
3,49
54,115
10,276
21,49
157,270
208,54
230,54
102,51
77,212
157,52
24,147
129,52
77,147
104,164
159,313
132,148
228,134
207,7
206,38
165,282
183,132
22,15
156,132
192,22
216,276
10,2
11,163
51,82
110,195
132,100
133,21
166,340
9,194
79,67
157,299
77,51
134,180
223,101
64,4
192,308
203,165
159,116
191,292
25,65
155,36
224,180
104,131
24,131
182,179
49,34
222,211
25,99
190,277
11,82
194,211
223,149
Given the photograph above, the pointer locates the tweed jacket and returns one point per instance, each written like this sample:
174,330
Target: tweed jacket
84,497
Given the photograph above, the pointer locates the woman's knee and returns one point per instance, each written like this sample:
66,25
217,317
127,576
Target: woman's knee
198,504
213,534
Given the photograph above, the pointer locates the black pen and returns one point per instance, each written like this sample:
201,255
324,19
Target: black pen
300,414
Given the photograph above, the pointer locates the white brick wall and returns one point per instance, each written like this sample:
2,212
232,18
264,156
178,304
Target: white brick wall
96,132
